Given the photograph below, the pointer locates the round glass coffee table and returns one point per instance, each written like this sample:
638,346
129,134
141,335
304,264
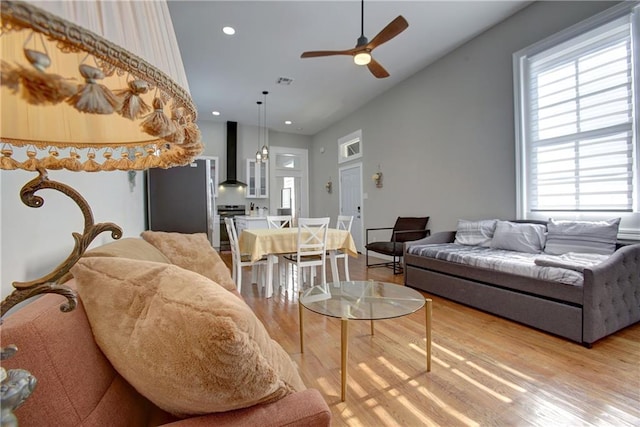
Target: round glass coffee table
363,300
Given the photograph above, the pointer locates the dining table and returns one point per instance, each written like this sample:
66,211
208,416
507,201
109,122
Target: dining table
271,242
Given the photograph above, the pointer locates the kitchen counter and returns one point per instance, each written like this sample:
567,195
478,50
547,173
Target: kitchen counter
251,218
251,222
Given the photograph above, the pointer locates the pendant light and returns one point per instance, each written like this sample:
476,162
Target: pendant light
259,152
265,147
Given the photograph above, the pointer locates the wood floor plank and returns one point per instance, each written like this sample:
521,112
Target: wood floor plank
485,370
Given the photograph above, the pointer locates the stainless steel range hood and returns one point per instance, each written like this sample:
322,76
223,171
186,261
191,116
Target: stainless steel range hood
232,157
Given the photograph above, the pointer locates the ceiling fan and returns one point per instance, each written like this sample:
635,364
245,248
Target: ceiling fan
362,52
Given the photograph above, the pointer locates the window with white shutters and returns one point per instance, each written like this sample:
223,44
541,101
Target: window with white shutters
577,106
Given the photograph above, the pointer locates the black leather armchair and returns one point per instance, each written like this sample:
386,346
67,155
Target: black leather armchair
406,229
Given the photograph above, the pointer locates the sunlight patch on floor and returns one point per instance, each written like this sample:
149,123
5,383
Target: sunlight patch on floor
548,411
373,376
448,409
515,372
393,368
482,386
349,418
497,378
356,388
381,413
483,371
385,417
423,353
415,411
449,352
440,362
326,387
431,397
418,349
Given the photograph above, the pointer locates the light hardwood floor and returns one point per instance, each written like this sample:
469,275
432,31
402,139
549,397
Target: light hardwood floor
485,370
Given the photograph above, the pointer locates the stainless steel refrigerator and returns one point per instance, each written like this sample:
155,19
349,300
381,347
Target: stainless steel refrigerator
181,199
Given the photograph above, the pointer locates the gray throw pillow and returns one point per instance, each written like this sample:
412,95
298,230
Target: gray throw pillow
475,233
520,237
594,237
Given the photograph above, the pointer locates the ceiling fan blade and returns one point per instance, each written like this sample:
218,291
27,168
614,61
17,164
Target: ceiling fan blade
392,29
316,53
377,69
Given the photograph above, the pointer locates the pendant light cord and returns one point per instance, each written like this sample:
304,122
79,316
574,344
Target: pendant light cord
259,130
265,93
259,126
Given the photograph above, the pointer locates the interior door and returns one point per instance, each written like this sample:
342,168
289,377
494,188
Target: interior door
289,181
351,200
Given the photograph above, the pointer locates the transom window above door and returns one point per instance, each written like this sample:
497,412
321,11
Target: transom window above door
350,147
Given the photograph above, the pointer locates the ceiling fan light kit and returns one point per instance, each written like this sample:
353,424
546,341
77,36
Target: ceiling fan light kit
362,52
362,58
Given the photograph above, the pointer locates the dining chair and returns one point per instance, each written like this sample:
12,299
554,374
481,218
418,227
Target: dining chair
278,221
311,248
242,260
343,222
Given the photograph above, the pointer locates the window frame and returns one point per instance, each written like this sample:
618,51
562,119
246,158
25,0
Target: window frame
630,224
346,141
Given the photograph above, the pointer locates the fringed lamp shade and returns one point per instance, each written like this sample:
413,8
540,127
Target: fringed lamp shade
71,99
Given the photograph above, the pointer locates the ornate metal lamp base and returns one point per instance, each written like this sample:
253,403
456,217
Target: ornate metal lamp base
16,385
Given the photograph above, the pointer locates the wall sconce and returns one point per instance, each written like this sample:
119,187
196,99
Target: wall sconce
329,186
377,178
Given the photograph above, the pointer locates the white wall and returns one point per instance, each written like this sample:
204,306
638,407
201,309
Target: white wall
444,138
35,240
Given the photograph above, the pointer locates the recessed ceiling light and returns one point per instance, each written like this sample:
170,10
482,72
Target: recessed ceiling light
288,122
229,31
215,113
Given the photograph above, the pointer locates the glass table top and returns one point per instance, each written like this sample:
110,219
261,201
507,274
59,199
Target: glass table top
362,300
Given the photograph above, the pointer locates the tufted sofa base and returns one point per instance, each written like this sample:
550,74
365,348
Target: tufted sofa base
608,301
559,318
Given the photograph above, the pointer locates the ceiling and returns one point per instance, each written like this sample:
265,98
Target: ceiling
229,73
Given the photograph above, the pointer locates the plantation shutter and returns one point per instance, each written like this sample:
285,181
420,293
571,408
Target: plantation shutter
580,122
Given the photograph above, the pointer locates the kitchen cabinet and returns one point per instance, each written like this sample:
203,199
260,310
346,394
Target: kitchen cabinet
257,179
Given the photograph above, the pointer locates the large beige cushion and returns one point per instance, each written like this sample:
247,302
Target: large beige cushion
193,252
181,340
129,247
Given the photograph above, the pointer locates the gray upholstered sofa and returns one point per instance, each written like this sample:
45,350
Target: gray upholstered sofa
607,300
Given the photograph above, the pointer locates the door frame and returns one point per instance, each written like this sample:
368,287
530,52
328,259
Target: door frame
304,177
358,165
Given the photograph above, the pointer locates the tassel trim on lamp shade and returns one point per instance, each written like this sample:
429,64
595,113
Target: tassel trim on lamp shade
119,87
